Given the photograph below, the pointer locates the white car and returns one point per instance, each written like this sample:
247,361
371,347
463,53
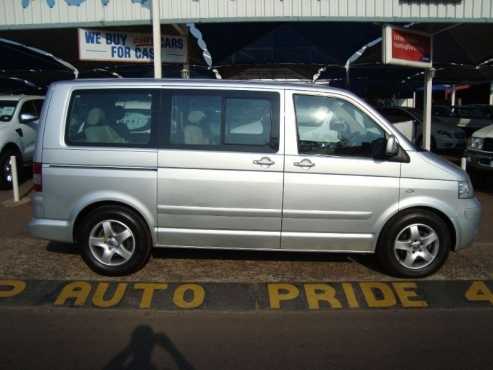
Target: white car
19,116
408,121
479,152
470,117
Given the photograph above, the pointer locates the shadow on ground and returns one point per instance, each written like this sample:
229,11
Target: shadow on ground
138,353
367,260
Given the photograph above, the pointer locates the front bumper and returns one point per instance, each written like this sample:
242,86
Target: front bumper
56,230
479,159
469,218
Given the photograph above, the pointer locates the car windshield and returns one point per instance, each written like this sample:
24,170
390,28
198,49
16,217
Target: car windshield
7,110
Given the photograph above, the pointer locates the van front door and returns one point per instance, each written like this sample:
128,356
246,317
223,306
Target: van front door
220,169
335,193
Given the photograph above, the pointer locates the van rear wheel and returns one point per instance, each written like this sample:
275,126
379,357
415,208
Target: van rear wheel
414,244
114,241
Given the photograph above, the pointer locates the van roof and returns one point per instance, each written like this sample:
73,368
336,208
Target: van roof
17,97
202,83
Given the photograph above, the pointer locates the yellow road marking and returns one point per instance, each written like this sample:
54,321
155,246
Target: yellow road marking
98,299
197,292
407,290
17,287
321,292
148,292
478,291
281,292
350,295
77,290
387,298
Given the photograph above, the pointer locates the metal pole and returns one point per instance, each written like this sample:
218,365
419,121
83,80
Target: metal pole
491,93
463,163
452,96
15,178
156,39
185,72
427,108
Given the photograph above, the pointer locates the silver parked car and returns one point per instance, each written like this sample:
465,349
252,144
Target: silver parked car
125,165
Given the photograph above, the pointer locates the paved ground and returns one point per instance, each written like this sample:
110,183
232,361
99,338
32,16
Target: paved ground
88,339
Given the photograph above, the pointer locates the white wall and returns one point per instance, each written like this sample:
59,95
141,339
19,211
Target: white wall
122,12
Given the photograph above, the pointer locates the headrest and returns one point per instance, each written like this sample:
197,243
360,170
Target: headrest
95,117
195,116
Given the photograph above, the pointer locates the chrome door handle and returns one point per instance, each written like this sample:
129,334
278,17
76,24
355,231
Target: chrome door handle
304,163
264,161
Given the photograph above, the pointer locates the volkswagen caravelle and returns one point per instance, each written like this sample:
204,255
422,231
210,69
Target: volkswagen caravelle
122,166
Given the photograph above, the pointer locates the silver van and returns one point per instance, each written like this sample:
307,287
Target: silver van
125,165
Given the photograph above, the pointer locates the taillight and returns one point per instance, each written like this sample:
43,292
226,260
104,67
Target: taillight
37,177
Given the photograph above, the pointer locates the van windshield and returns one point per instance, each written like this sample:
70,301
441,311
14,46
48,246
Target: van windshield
7,110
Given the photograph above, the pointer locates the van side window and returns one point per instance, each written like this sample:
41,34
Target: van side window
195,120
110,118
230,121
248,121
332,126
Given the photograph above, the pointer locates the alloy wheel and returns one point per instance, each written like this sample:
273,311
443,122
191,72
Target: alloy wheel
111,242
416,246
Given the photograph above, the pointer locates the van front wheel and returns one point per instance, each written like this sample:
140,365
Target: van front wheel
114,241
414,244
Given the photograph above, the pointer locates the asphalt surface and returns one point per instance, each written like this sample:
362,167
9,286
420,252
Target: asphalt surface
88,339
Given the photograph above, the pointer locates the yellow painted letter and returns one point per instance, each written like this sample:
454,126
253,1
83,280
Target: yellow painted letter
77,290
321,292
478,291
281,292
386,297
148,292
407,290
350,296
16,287
98,298
198,296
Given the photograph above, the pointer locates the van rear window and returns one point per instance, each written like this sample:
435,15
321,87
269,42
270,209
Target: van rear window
110,118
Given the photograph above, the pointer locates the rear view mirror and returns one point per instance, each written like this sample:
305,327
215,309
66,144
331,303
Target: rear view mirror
28,118
391,147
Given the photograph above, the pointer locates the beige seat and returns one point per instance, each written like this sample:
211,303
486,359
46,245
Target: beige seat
193,134
97,131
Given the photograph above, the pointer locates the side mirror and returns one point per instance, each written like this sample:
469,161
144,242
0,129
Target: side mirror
28,118
391,147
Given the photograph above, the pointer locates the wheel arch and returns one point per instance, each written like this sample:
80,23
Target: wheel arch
448,221
11,146
100,203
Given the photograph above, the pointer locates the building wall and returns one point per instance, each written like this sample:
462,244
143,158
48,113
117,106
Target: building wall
18,14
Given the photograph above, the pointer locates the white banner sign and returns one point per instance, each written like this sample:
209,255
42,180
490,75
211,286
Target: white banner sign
116,46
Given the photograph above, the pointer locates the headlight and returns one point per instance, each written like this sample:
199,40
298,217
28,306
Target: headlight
476,143
466,190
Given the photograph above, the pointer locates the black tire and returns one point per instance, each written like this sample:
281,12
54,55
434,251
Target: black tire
5,183
389,258
141,239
